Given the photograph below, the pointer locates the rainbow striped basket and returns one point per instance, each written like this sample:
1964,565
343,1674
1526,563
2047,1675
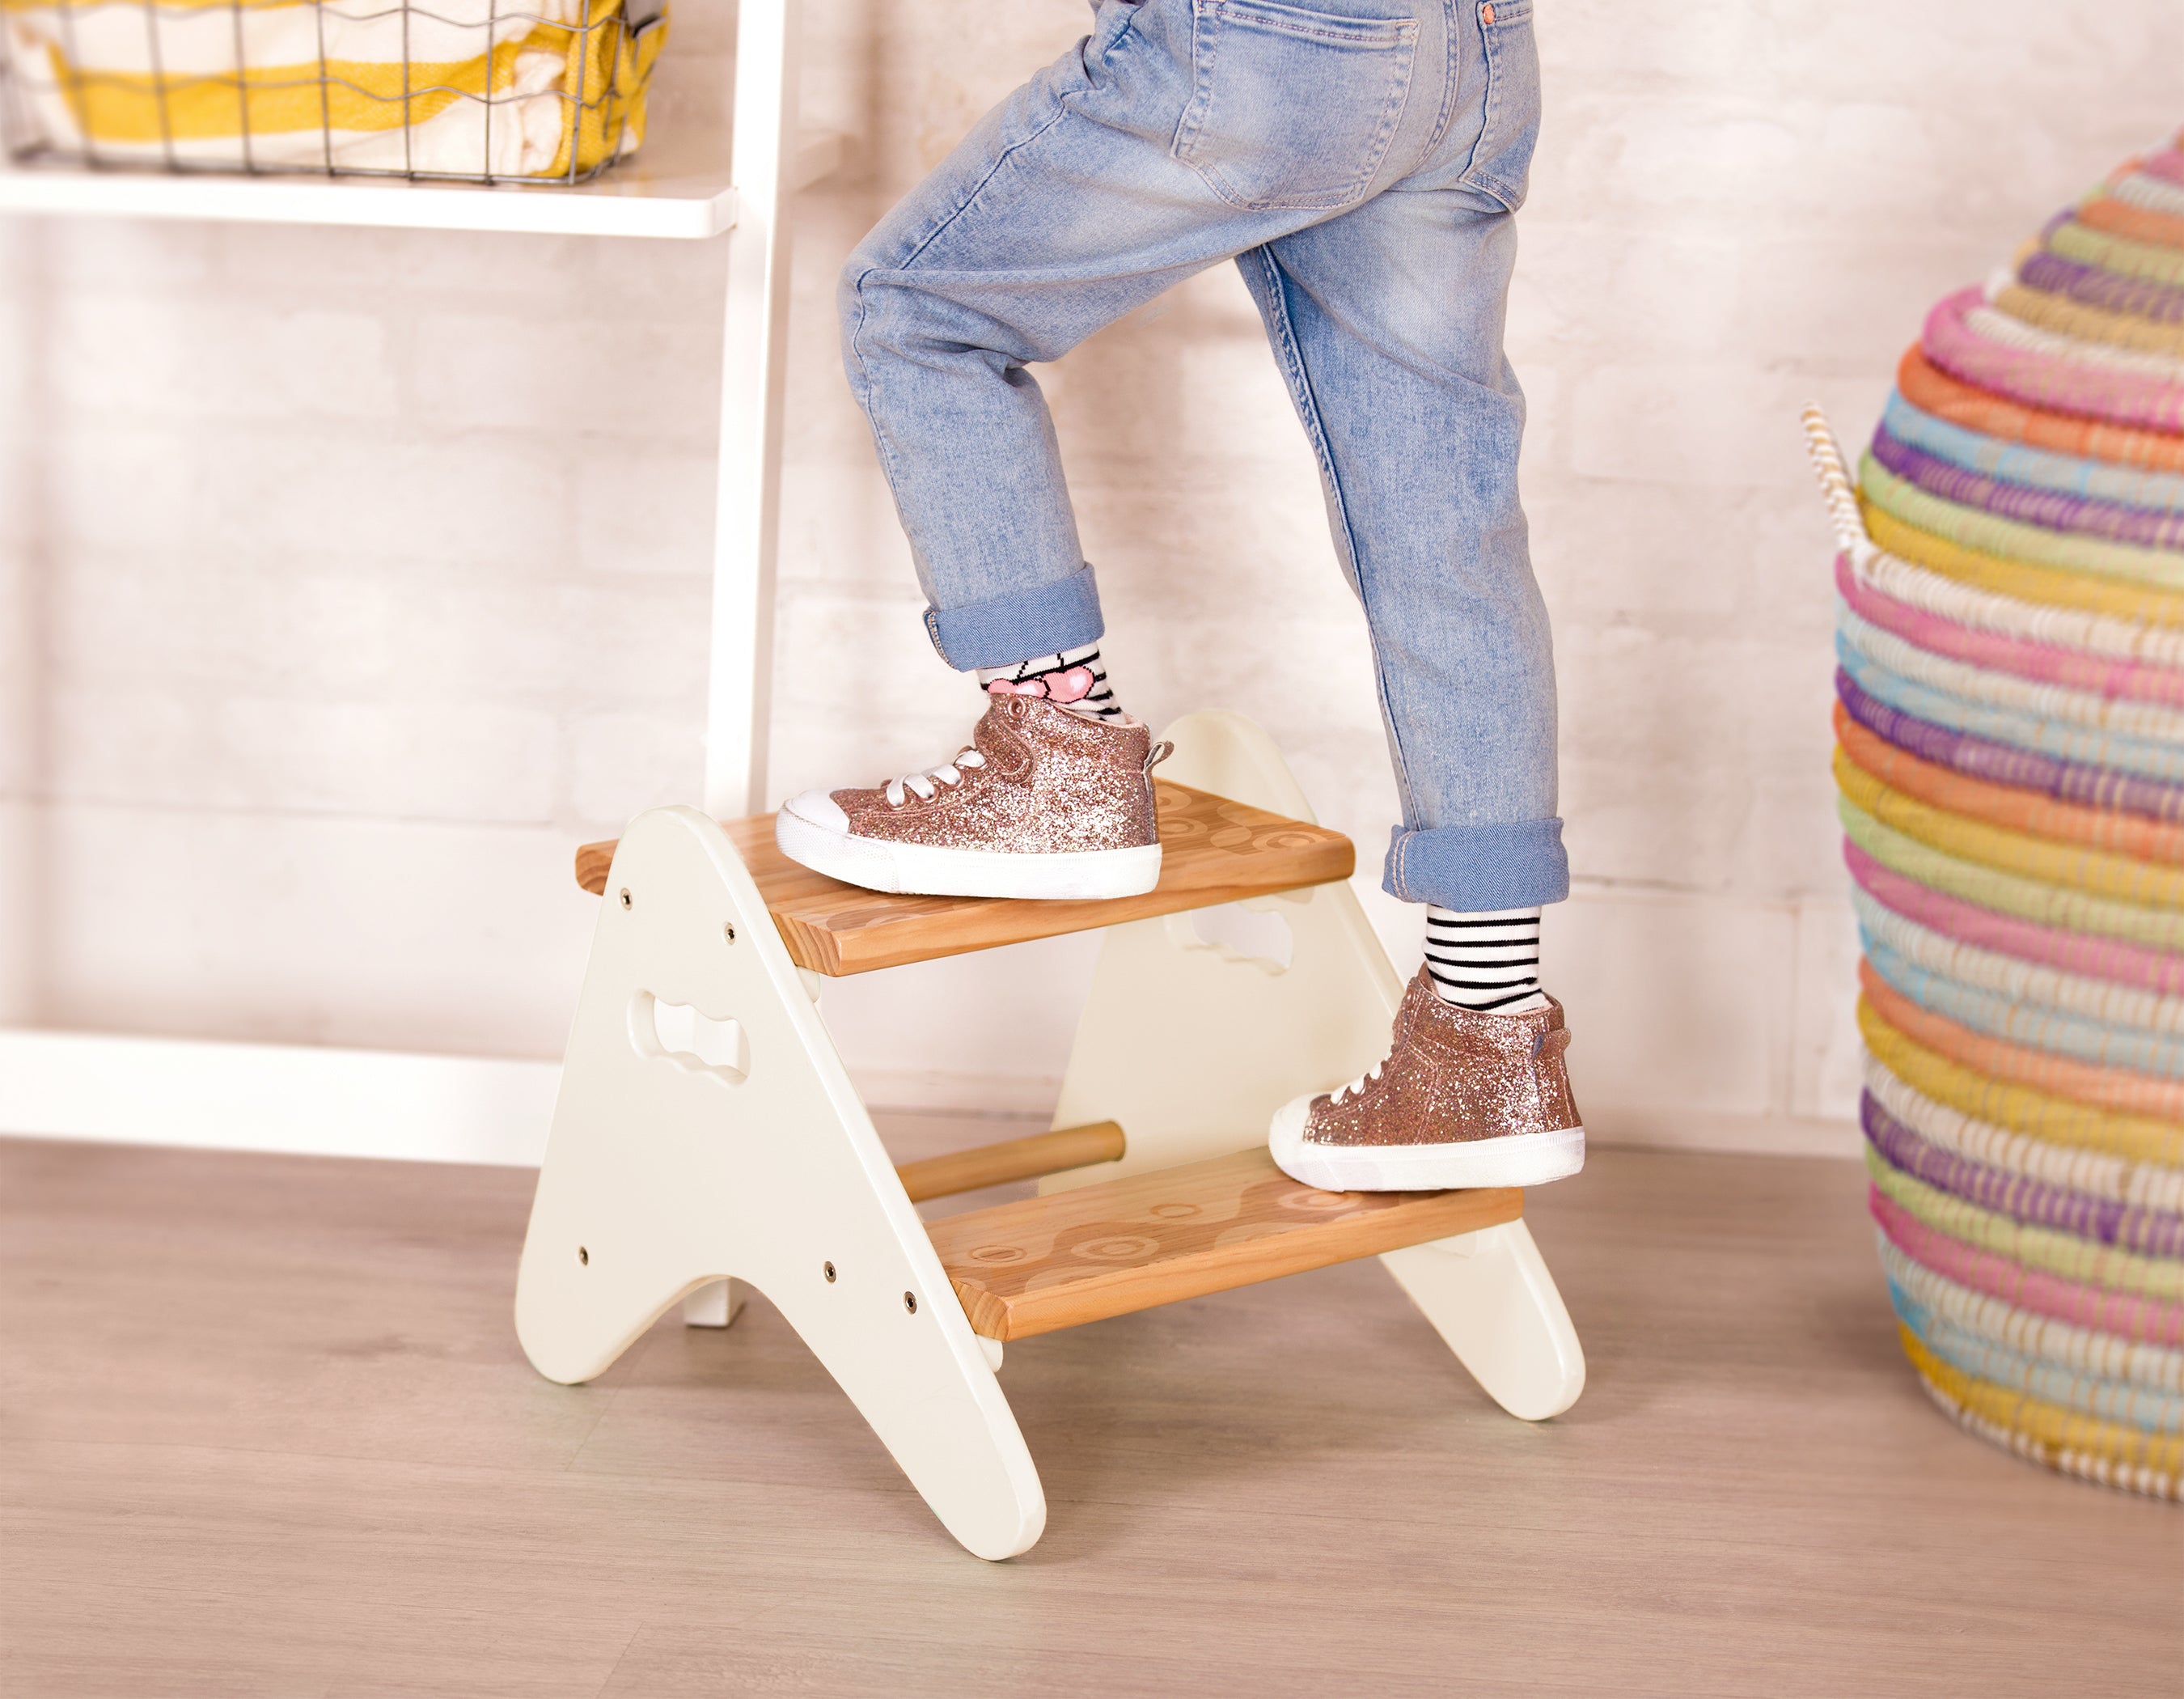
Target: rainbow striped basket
2010,755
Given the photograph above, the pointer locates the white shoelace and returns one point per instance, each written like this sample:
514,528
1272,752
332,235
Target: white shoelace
948,772
1344,1094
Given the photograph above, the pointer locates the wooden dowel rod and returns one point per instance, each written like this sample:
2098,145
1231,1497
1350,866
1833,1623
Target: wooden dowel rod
593,861
1015,1158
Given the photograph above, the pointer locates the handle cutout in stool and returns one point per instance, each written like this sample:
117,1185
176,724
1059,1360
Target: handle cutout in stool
1240,932
689,1037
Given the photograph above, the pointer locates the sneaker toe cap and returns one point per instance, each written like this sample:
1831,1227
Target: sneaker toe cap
817,808
1285,1133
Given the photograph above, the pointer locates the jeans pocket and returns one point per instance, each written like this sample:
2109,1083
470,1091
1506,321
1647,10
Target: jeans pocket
1292,109
1502,163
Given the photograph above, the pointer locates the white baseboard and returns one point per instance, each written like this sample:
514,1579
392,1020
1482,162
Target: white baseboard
305,1099
1759,1135
315,1100
952,1093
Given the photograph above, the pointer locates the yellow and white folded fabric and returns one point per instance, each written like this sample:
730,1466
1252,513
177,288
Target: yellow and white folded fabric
483,88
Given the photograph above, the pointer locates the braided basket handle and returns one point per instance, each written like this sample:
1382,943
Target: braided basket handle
1837,489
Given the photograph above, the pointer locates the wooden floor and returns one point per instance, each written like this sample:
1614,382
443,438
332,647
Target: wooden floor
268,1433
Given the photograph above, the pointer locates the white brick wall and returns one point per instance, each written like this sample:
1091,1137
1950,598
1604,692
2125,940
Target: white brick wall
348,578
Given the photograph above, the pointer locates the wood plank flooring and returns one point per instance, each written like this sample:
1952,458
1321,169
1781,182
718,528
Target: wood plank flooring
267,1432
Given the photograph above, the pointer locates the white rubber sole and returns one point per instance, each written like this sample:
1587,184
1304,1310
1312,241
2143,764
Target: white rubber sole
926,870
1521,1159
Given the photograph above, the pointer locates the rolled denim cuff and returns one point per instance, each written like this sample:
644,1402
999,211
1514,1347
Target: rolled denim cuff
1005,630
1479,868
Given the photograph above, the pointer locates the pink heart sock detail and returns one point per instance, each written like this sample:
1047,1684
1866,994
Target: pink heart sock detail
1071,678
1072,686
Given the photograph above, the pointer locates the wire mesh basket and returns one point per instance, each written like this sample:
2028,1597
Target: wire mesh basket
466,91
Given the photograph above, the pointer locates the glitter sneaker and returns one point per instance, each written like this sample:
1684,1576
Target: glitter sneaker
1464,1098
1043,803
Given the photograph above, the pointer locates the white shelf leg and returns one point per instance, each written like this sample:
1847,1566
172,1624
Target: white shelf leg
754,359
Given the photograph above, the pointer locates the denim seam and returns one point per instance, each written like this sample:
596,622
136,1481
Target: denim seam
1292,359
910,259
1448,81
1394,31
870,400
1472,176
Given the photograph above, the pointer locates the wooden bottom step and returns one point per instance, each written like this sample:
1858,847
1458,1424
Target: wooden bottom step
1107,1249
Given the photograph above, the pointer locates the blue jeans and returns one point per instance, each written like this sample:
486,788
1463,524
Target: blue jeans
1361,161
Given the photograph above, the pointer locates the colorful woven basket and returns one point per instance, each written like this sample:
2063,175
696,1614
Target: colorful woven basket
2010,641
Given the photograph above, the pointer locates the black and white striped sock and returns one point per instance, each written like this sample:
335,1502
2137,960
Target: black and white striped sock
1489,962
1075,678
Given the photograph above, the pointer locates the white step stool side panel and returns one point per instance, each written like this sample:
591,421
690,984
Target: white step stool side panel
1489,1297
664,1174
1192,1047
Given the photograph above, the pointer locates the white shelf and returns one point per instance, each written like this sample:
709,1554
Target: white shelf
665,192
630,202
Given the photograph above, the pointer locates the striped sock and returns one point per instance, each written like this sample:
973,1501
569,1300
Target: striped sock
1075,678
1485,961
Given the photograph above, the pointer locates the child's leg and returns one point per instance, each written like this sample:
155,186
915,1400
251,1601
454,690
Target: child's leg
1177,135
1388,324
1175,138
1362,157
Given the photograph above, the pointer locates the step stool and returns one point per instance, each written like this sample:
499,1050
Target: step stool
707,1134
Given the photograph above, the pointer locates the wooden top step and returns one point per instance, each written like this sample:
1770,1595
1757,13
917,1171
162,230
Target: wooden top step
1107,1249
1213,851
